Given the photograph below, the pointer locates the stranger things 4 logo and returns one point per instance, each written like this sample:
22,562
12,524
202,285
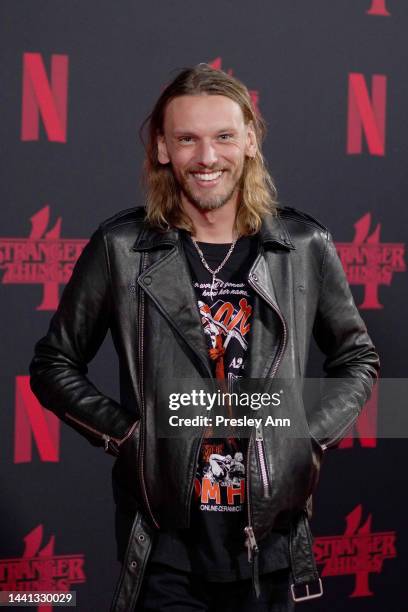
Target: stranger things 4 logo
43,258
359,552
369,262
40,569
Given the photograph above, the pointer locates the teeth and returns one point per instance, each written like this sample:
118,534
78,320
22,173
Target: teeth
208,176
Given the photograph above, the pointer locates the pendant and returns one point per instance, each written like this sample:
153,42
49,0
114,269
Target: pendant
214,280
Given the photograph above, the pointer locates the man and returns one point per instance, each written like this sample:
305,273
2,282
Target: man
214,282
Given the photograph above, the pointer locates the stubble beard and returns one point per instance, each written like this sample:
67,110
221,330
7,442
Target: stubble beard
210,202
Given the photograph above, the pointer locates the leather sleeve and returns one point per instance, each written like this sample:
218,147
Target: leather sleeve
58,370
351,363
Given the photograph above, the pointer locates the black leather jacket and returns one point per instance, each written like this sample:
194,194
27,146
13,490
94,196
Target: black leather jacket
135,281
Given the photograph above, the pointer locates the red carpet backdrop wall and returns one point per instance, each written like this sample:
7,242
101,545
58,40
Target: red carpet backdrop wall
77,80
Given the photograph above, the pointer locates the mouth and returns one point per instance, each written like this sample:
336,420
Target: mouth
207,179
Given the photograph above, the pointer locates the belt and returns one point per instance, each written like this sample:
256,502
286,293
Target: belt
307,583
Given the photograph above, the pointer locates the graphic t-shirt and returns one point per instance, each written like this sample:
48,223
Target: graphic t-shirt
218,514
213,546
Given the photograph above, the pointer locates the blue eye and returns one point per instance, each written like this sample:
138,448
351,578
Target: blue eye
225,136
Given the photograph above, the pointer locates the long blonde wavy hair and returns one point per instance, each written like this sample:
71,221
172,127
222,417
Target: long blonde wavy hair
258,195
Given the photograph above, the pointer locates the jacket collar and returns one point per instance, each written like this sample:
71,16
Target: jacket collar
273,231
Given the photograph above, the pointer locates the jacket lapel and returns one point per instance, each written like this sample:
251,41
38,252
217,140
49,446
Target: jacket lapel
168,283
271,279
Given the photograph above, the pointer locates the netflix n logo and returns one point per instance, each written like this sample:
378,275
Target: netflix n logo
378,7
33,423
366,114
45,97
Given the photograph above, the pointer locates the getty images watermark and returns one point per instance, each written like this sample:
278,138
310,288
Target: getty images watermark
227,403
288,408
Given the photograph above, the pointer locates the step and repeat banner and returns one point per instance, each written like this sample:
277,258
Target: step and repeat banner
78,79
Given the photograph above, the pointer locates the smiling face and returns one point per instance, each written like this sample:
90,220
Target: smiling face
206,141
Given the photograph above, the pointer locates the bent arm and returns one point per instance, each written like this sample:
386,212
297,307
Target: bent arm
351,363
59,367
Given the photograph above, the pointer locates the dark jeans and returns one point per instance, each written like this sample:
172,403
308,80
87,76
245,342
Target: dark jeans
171,590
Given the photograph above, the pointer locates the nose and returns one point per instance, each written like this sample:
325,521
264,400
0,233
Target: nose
207,154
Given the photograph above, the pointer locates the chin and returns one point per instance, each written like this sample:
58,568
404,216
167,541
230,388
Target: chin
208,206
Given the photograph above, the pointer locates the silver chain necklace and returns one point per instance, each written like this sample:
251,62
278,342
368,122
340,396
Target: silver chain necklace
207,267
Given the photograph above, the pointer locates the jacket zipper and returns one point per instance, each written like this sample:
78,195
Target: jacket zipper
251,280
262,461
105,437
250,542
97,433
141,393
334,440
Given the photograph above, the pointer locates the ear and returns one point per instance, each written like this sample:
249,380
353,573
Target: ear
162,154
251,146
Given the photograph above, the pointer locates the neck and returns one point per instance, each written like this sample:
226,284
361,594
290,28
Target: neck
216,226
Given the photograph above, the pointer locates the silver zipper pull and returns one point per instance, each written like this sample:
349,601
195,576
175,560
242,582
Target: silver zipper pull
250,543
106,438
258,434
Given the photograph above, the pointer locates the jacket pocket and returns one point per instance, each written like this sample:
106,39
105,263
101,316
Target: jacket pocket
317,448
130,442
